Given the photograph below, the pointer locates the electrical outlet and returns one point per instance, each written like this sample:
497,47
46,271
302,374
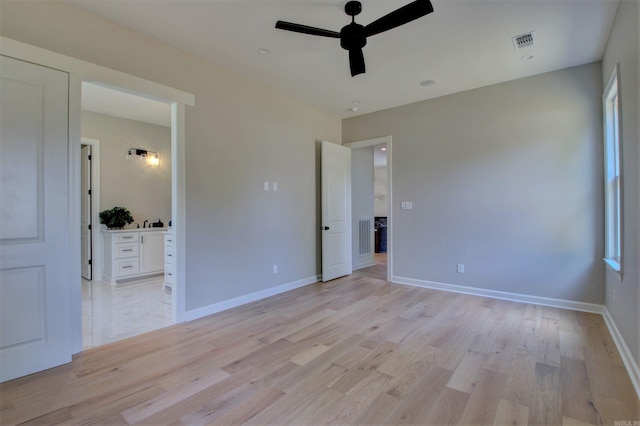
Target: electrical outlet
275,186
460,268
266,186
275,269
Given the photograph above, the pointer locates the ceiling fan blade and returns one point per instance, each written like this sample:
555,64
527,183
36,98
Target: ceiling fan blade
298,28
356,62
407,13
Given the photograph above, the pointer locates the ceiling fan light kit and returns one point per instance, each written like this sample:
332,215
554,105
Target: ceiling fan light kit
353,37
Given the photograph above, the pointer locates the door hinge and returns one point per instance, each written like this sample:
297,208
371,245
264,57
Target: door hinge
89,261
89,226
89,192
89,158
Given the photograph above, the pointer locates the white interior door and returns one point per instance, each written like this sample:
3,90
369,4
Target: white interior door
35,289
336,210
85,211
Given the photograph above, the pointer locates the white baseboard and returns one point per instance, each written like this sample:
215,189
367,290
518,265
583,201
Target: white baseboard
629,361
364,265
248,298
495,294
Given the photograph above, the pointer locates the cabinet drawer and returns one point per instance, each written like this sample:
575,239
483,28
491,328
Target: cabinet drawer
124,267
126,250
126,237
168,254
169,274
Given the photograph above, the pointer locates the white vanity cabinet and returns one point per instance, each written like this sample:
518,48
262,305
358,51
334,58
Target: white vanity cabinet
135,253
151,252
169,254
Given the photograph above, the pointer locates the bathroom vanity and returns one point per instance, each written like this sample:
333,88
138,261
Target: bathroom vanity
169,252
132,253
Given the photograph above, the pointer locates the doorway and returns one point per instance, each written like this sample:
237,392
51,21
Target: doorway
86,208
89,205
120,125
372,195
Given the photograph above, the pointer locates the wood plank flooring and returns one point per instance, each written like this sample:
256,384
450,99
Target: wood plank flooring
356,350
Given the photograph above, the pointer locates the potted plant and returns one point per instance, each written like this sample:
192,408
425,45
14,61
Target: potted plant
116,218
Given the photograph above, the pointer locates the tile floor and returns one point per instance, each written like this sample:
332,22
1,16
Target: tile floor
115,312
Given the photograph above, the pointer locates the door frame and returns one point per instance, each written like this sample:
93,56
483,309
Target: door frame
373,142
96,243
80,71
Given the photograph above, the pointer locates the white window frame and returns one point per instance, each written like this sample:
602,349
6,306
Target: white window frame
613,174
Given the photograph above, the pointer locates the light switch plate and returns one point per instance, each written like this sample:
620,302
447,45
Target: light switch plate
275,186
407,205
266,186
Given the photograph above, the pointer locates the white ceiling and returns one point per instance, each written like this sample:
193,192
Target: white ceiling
463,45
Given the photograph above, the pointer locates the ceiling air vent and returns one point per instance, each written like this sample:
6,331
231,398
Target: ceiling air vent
524,40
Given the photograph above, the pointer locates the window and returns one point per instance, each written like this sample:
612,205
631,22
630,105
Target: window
612,176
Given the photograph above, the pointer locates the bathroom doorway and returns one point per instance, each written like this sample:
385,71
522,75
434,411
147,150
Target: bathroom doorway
371,207
89,204
112,124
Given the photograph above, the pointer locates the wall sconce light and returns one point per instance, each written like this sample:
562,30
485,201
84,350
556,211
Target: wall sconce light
151,157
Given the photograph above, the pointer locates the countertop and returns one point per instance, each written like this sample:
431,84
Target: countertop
135,229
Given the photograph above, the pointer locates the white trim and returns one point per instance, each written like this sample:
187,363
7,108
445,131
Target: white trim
614,267
178,210
73,166
365,264
248,298
495,294
627,358
367,142
614,227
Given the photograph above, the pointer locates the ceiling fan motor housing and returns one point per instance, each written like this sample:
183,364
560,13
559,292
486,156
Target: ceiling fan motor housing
353,36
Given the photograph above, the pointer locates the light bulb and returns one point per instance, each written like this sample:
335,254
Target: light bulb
153,160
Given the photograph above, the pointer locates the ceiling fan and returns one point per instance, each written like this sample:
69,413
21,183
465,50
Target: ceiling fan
353,37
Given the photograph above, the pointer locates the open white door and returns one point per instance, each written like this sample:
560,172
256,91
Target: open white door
85,212
336,210
35,293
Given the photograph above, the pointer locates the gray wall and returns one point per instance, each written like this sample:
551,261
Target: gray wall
361,202
144,190
622,298
381,191
240,134
505,179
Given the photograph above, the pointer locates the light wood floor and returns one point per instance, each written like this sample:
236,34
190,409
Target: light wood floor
356,350
379,270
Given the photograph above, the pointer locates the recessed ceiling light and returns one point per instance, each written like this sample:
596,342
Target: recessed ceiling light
527,57
427,83
356,102
383,149
263,51
353,109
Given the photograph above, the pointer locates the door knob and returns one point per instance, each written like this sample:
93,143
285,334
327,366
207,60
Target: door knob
324,228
